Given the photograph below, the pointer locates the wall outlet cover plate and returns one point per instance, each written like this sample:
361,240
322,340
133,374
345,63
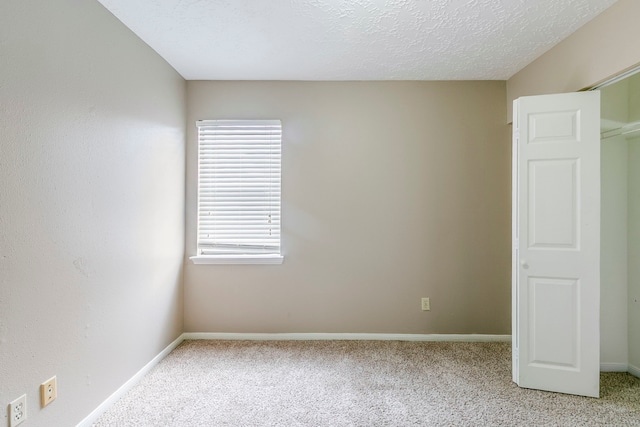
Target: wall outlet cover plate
18,411
48,391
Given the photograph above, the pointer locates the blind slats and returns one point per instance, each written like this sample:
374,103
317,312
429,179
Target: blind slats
237,218
239,186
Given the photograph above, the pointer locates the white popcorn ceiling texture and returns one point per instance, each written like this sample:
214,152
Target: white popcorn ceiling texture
352,39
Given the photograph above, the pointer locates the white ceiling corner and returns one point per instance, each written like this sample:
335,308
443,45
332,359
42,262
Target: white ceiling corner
352,39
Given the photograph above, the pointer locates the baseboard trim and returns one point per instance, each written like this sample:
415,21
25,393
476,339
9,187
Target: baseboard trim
345,336
614,367
634,370
95,414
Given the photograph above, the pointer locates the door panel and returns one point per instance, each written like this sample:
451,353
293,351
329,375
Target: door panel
553,336
553,127
556,249
553,194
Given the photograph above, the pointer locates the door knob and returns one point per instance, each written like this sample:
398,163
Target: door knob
524,263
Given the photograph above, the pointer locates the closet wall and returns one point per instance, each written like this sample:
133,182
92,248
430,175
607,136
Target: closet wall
620,249
634,228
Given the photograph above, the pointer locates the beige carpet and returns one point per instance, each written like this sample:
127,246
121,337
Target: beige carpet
357,383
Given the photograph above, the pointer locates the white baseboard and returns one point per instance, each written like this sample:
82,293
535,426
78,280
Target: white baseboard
95,414
634,370
614,367
346,336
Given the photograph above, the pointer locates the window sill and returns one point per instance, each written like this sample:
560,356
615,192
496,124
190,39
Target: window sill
237,259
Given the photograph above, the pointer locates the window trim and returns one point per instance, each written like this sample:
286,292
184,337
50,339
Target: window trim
237,259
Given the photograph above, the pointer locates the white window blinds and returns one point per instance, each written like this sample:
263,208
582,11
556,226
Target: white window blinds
239,187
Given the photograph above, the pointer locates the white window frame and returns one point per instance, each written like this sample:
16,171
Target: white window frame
239,189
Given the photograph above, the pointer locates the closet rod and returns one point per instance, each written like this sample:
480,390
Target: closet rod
617,132
630,131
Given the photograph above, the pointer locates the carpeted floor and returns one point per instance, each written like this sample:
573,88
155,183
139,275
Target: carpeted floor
357,383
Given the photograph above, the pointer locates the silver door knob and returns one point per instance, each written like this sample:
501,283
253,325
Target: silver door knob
524,263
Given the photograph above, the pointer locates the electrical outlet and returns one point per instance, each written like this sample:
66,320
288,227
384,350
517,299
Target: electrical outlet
48,391
18,411
425,304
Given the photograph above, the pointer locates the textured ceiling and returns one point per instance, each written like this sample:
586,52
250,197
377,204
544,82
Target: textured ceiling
352,39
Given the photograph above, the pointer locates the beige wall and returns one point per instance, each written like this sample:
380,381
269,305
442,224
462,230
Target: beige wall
392,191
599,50
91,205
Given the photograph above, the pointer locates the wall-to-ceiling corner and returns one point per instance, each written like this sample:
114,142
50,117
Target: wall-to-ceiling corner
91,205
604,47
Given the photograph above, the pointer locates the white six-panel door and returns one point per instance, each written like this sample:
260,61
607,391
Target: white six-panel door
556,236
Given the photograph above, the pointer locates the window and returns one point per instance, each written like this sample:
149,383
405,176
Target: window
239,191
